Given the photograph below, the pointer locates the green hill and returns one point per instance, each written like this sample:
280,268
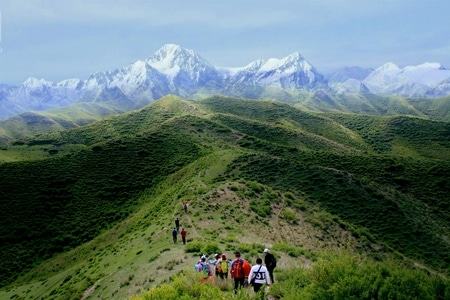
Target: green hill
83,113
93,207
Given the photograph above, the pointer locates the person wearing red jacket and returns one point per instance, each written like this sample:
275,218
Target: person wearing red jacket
237,272
183,235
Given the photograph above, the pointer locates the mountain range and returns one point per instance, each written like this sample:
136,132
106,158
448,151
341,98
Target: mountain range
179,71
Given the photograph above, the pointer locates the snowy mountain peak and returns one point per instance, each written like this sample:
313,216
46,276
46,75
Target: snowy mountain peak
183,67
390,66
294,57
171,51
170,58
292,72
291,63
137,69
33,82
73,83
407,81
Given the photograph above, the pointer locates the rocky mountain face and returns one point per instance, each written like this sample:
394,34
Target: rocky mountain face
176,70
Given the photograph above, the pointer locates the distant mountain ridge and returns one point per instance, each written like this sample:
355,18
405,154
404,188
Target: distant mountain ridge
176,70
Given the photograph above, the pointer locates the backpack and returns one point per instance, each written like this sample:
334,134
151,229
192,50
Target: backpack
222,267
247,268
204,266
237,271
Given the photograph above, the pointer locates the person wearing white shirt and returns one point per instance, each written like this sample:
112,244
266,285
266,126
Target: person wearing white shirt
258,276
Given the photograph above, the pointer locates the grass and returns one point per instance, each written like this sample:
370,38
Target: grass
108,198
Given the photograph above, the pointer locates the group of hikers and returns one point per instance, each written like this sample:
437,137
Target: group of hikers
240,270
176,230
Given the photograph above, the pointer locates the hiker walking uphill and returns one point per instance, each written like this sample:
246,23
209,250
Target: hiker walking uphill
270,262
258,276
247,267
205,268
177,224
237,271
183,235
185,206
174,235
222,267
213,261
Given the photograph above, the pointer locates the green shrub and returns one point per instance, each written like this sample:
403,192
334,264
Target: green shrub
289,215
289,249
346,276
250,248
185,287
210,248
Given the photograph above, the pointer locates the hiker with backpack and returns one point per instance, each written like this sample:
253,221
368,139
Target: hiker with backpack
185,206
222,267
247,267
237,271
205,268
174,235
258,276
213,261
197,264
270,262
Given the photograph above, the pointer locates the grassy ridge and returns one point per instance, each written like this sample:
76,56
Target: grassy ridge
400,135
387,209
70,200
323,175
32,123
83,113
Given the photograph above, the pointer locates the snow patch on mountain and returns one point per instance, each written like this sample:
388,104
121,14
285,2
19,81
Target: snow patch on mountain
430,74
409,81
34,83
350,86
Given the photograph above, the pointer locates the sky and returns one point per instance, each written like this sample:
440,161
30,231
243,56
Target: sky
61,39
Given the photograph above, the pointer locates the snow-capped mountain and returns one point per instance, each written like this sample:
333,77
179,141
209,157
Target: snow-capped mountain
424,80
290,72
135,81
38,94
185,70
442,89
410,81
176,70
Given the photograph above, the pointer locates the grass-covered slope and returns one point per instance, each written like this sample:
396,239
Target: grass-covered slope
82,113
76,115
400,135
254,172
